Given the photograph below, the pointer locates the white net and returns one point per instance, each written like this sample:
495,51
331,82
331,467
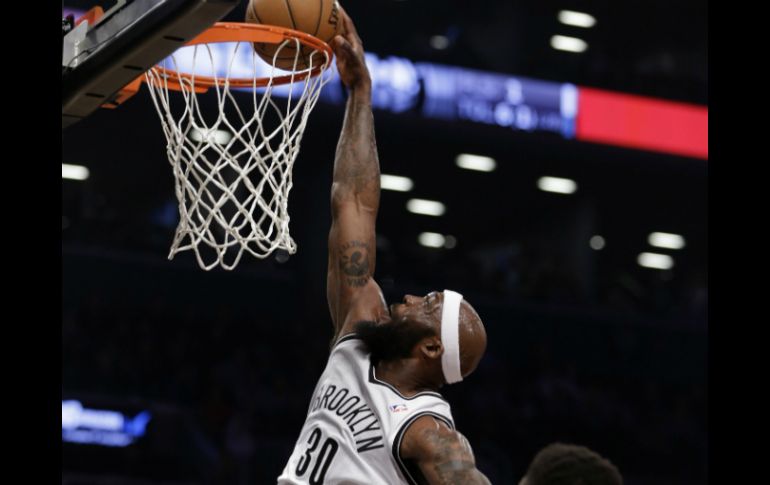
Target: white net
232,153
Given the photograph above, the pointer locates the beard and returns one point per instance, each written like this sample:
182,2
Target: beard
391,341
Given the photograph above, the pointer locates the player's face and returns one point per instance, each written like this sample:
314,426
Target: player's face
411,321
419,309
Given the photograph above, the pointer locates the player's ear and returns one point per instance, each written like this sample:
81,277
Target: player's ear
431,347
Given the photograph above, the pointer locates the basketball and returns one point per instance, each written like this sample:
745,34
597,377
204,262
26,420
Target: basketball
318,18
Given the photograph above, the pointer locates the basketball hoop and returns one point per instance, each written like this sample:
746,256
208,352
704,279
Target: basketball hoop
233,162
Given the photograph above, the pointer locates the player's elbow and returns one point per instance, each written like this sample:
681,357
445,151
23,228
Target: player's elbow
344,198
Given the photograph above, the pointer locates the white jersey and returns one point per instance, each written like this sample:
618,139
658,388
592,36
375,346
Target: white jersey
355,424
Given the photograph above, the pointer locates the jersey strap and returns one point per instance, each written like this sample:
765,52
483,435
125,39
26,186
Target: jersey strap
373,380
347,337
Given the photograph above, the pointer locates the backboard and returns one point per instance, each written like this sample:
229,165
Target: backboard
102,55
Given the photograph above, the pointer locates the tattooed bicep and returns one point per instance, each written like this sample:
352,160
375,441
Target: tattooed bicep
466,444
446,445
449,459
354,263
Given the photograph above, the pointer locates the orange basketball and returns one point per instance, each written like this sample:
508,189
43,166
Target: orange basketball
319,18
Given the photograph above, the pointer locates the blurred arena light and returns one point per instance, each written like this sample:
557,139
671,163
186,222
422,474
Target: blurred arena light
439,42
666,240
436,240
475,162
597,242
431,239
576,19
557,185
219,136
101,426
425,207
281,256
74,172
569,44
655,261
396,183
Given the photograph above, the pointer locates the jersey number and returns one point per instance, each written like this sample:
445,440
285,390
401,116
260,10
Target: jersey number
323,459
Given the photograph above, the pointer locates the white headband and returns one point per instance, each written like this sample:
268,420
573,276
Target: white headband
450,336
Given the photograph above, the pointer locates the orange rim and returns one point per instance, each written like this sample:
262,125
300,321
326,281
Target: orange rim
245,32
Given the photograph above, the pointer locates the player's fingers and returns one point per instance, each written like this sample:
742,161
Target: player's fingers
343,29
341,47
347,23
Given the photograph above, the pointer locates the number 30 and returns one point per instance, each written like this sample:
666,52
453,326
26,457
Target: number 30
324,458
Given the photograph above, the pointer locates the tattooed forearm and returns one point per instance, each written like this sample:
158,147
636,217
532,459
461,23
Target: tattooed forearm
355,201
354,262
456,472
356,166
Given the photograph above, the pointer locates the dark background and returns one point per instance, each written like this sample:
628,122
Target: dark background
585,346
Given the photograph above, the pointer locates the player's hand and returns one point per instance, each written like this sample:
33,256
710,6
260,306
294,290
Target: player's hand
349,51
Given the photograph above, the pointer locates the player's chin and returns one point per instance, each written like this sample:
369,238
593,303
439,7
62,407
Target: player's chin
395,311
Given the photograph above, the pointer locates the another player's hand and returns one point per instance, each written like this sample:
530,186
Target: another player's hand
349,50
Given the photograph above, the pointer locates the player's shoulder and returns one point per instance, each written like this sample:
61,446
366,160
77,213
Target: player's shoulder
349,348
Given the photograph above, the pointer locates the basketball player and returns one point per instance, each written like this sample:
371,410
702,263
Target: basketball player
375,416
560,464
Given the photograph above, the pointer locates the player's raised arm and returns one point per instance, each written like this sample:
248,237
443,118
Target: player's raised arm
443,456
355,196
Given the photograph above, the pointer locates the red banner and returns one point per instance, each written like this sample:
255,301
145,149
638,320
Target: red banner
644,123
